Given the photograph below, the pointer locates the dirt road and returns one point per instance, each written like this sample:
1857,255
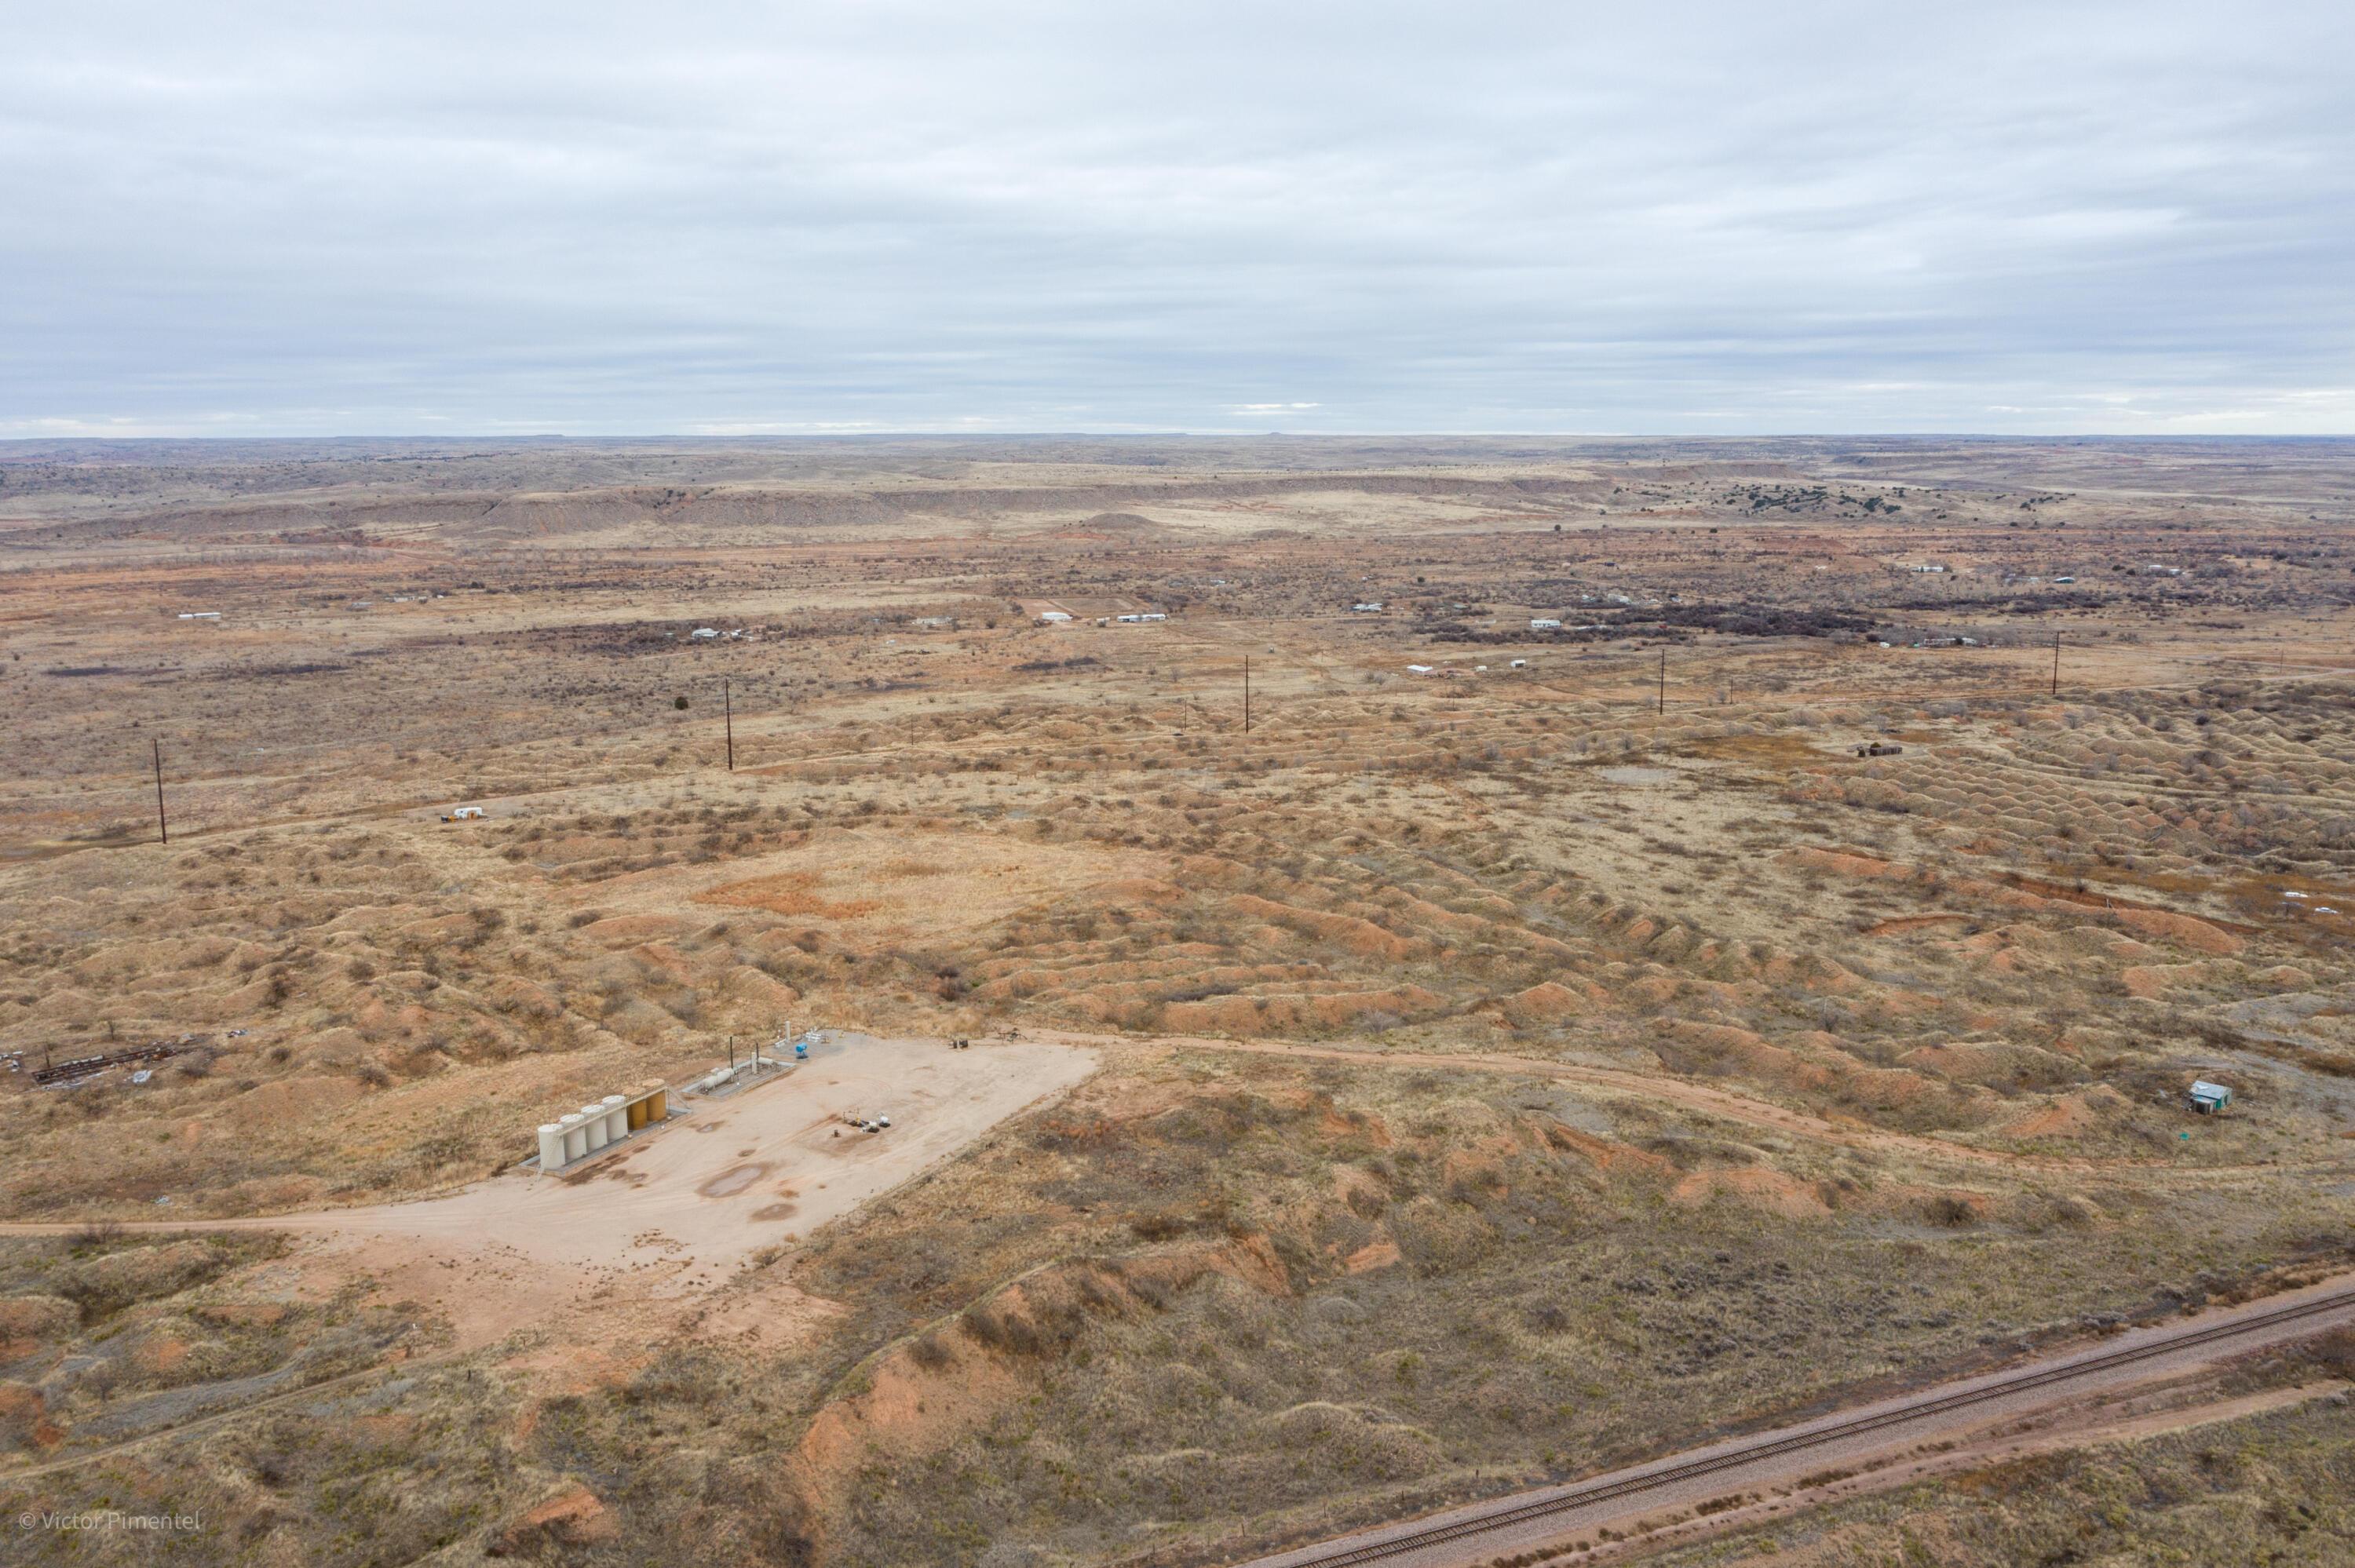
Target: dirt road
1706,1099
1847,1441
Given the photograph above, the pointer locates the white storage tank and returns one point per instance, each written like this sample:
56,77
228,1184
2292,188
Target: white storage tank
551,1144
592,1121
576,1137
617,1119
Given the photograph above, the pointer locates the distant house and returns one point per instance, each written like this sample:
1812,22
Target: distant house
1418,669
200,615
1367,606
2208,1098
705,632
463,815
1545,623
1520,664
1053,617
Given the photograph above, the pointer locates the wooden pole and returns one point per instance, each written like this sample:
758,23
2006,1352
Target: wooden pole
728,707
2056,663
162,827
1664,681
1246,693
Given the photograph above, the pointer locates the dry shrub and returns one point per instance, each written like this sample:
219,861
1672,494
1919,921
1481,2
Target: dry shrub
94,1234
1949,1211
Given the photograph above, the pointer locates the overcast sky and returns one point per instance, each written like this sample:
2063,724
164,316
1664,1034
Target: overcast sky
244,218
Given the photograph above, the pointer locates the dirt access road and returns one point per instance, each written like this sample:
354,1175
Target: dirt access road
670,1213
1706,1099
1898,1437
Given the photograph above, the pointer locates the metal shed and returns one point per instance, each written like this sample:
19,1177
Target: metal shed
2209,1098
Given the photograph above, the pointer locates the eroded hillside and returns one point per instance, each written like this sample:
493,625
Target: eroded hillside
1524,1048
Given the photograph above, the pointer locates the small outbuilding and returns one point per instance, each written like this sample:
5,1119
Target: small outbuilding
2208,1098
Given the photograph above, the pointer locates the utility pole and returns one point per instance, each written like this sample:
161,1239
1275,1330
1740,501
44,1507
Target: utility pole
1246,693
1664,682
2056,663
163,828
728,707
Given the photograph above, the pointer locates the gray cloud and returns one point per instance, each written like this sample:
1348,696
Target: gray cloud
283,219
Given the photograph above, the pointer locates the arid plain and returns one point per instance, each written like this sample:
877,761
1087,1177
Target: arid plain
1678,935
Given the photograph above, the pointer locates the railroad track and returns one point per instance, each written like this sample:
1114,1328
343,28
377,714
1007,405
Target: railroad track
1610,1488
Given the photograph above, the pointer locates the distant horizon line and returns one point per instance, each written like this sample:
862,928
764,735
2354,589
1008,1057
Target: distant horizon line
783,437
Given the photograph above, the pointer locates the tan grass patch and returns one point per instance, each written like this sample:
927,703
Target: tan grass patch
787,893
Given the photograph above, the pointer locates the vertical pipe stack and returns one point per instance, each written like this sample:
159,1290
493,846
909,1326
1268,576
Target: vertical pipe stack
617,1121
576,1137
551,1144
592,1122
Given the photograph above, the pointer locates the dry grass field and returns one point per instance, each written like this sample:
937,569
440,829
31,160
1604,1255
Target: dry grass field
1522,1049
